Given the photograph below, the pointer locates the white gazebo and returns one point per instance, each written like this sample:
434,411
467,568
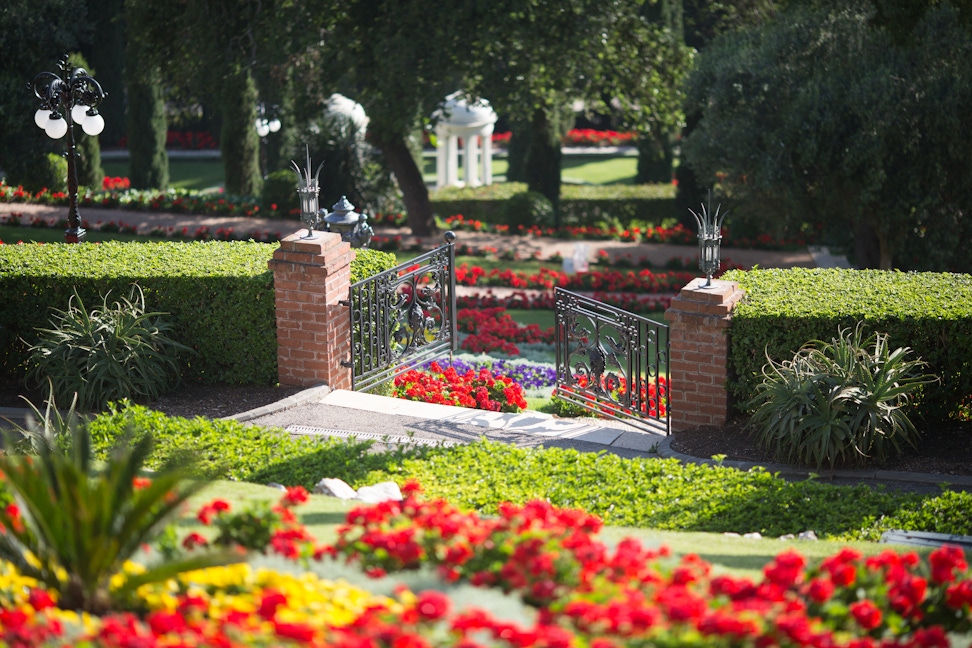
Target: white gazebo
339,105
470,121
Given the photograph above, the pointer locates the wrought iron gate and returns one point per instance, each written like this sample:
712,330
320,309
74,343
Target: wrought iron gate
612,362
403,317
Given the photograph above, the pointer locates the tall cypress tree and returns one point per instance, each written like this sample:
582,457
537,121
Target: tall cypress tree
239,142
106,54
149,163
90,173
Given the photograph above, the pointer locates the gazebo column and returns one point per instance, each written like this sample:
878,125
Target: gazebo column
487,164
471,153
441,158
452,167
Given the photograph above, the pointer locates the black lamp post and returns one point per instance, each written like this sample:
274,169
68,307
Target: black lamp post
70,98
710,237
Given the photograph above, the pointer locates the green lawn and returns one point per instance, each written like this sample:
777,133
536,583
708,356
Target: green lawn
9,234
183,173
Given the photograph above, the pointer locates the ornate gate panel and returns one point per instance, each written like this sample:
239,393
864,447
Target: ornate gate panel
403,317
612,362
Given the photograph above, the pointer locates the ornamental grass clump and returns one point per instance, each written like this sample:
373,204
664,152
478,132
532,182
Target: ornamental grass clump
841,402
111,353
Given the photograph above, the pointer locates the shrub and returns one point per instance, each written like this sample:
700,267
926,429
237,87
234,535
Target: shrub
666,494
368,263
74,526
280,189
49,171
838,402
219,295
113,352
227,449
785,308
580,206
528,209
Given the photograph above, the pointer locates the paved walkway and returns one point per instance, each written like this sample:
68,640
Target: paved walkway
391,421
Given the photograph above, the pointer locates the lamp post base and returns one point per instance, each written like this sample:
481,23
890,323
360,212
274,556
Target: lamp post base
74,235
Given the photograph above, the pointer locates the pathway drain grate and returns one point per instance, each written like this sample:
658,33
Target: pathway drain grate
369,436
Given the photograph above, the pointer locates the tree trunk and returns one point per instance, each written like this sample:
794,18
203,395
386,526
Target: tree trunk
867,247
410,181
884,251
654,159
543,160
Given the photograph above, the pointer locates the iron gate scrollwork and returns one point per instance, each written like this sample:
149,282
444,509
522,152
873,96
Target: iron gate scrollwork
612,362
403,317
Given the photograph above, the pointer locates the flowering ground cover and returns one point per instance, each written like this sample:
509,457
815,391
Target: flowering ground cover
476,389
576,589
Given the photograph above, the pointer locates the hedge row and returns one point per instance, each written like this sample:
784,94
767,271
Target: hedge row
785,308
580,205
646,492
218,294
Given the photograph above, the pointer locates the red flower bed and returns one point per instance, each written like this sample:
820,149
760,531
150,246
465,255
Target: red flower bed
492,329
586,593
480,390
641,281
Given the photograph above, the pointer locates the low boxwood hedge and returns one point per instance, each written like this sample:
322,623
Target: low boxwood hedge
786,308
580,205
648,492
218,294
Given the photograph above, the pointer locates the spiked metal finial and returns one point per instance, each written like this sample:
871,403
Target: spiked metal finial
710,237
307,189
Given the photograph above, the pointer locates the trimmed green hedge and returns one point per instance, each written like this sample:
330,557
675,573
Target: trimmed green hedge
786,308
368,263
228,449
219,296
645,492
580,205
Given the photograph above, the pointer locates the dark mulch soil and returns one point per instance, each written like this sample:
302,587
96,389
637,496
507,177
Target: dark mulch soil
945,449
210,401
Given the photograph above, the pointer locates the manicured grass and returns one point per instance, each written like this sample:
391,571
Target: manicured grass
598,169
183,173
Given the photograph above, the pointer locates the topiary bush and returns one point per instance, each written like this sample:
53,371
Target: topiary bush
110,353
528,209
368,263
49,171
839,402
280,189
785,308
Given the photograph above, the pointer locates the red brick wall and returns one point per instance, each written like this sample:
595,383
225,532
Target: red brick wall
698,326
310,277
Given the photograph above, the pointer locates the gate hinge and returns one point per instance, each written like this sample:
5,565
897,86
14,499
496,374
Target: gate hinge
345,302
347,363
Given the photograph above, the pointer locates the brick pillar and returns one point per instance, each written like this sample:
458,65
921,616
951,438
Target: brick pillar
698,325
310,276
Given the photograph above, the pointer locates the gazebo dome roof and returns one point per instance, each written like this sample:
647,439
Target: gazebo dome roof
338,104
460,113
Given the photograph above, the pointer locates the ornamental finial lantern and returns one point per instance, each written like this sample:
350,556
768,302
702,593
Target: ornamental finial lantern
710,237
307,188
352,226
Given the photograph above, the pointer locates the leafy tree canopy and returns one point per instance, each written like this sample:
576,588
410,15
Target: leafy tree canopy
823,115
